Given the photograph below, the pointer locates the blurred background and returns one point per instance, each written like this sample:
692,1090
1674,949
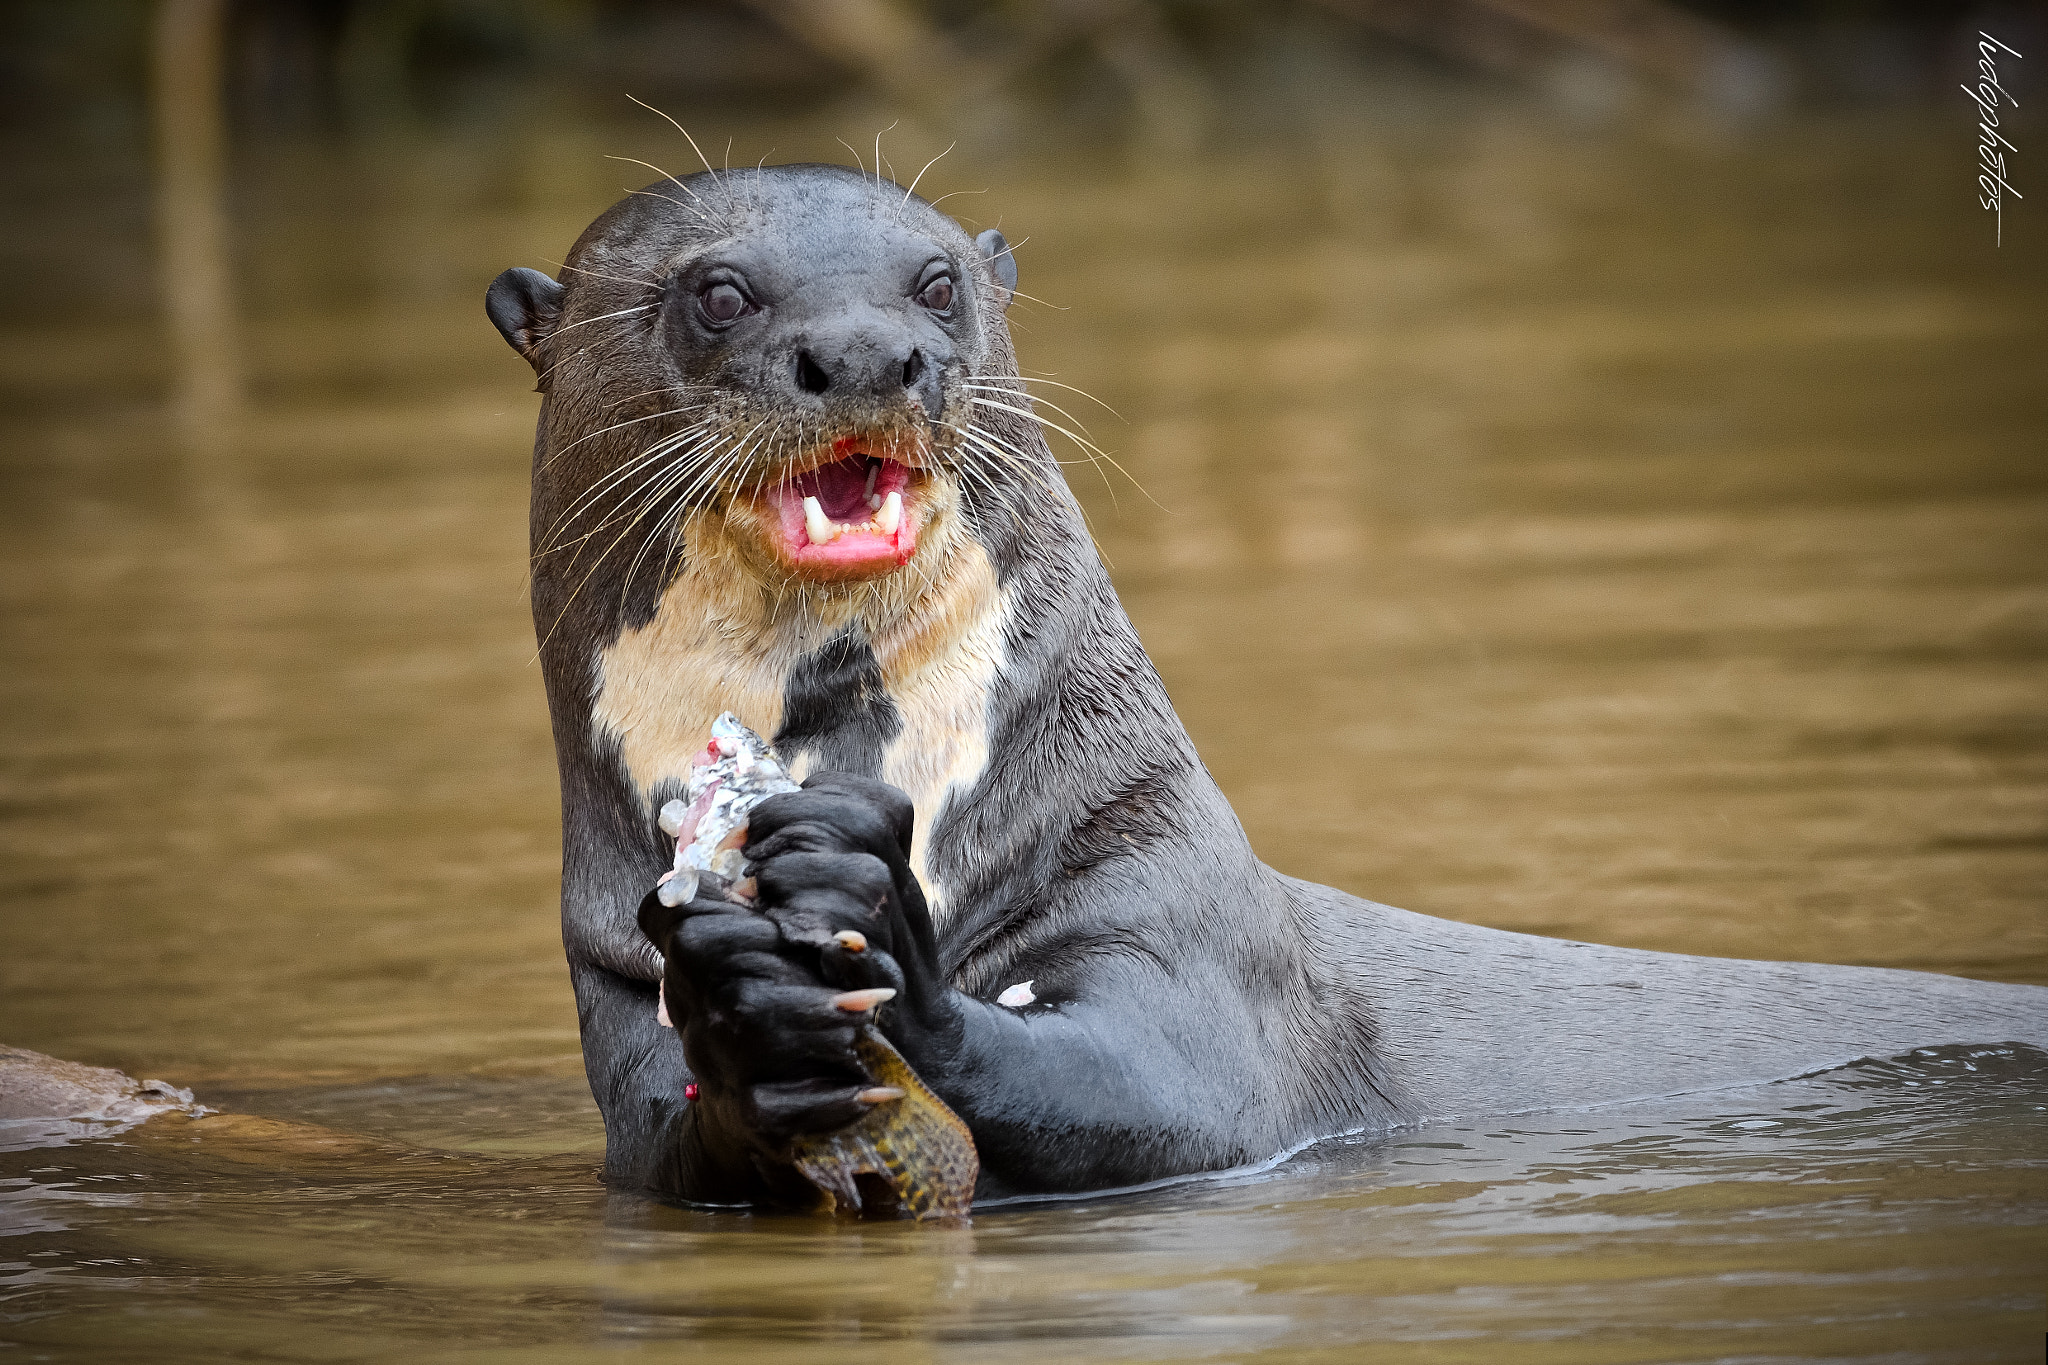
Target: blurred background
1585,464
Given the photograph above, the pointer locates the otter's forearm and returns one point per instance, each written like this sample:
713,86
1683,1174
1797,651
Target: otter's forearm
1077,1098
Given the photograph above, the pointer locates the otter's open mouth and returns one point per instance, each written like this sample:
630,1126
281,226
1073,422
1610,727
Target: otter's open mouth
853,518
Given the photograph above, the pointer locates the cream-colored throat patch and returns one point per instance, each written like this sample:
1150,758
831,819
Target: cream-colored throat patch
940,663
719,641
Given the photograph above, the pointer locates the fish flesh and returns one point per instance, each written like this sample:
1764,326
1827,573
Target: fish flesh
914,1148
734,773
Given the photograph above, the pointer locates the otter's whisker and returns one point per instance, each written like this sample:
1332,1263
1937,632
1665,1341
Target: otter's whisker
1039,402
731,452
626,510
703,209
700,214
668,527
693,145
971,451
584,582
677,516
878,154
655,458
1030,416
1016,460
1037,379
712,460
653,454
541,377
615,404
991,487
649,283
991,443
920,175
654,500
1038,467
772,441
616,426
646,505
735,456
623,312
647,460
994,500
1087,445
970,472
1044,402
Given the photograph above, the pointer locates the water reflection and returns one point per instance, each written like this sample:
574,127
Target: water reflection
1775,1221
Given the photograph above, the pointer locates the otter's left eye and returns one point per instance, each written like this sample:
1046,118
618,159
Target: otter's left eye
938,295
722,303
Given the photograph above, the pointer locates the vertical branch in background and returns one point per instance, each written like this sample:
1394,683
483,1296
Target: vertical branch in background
192,223
224,697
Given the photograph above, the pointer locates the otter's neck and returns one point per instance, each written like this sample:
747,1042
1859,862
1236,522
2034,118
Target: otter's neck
891,684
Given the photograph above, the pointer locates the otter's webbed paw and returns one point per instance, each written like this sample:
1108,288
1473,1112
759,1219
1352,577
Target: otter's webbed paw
769,1040
831,867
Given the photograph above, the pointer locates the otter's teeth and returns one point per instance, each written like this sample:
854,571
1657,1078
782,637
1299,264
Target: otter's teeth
891,515
874,503
873,470
822,529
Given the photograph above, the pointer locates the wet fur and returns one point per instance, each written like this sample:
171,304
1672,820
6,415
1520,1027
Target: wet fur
1196,1010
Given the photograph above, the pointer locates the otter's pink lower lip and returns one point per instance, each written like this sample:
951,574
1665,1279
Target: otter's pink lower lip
854,516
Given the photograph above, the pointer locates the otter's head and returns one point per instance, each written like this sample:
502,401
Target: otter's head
785,359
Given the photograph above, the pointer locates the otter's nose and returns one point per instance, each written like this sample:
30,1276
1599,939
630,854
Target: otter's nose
866,368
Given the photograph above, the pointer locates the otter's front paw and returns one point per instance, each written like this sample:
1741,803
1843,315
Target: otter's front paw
769,1042
831,867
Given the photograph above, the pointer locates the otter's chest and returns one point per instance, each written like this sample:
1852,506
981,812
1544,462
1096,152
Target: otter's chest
903,695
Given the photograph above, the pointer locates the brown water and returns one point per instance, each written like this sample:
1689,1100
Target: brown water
1637,540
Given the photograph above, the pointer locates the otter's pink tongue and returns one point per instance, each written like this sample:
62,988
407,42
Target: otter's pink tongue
841,489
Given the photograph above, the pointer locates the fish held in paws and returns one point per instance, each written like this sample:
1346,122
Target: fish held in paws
908,1154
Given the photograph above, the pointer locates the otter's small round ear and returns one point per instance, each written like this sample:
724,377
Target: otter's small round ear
524,305
1000,259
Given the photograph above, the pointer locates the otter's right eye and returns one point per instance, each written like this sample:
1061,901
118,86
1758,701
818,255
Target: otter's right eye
722,303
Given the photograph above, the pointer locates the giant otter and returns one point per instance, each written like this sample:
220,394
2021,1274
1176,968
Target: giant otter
785,467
